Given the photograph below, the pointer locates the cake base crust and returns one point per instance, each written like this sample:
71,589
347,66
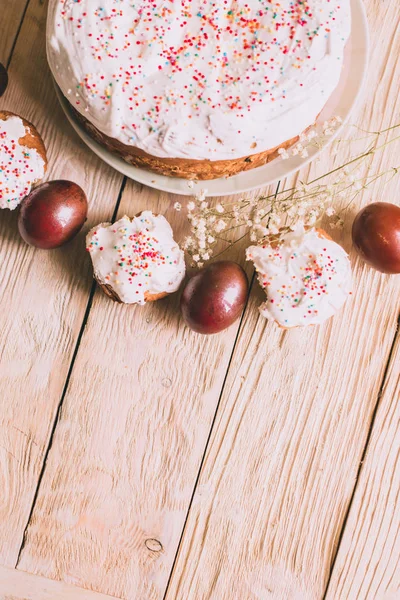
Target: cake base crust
181,167
111,293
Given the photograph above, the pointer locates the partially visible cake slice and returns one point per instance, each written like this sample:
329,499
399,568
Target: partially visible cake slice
23,160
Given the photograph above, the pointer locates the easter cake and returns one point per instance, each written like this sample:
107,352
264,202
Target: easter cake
197,89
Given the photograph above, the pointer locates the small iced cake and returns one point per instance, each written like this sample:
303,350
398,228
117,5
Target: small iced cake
136,260
307,278
23,160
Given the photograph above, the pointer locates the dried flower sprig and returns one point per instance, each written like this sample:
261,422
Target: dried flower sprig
286,210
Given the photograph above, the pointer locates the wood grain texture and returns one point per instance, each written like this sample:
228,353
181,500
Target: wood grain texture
11,14
368,561
43,294
126,452
17,585
294,418
128,446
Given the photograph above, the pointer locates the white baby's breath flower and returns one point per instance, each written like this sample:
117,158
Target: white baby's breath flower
201,224
253,236
201,195
206,256
178,206
220,226
220,209
330,211
190,184
196,257
210,239
191,206
188,242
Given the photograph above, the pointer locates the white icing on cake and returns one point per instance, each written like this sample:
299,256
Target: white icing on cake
20,167
198,79
307,278
137,257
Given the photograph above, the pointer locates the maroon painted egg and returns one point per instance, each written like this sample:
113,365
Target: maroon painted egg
52,214
214,297
3,79
376,236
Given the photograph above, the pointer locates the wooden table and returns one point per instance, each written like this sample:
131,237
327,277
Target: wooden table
142,461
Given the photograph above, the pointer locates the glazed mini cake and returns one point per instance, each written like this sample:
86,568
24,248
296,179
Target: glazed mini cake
197,88
23,160
136,260
307,278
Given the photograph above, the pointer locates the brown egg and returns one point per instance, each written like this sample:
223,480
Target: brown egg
215,297
376,236
3,79
52,214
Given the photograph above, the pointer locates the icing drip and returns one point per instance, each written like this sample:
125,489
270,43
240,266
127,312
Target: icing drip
20,167
137,257
307,278
198,79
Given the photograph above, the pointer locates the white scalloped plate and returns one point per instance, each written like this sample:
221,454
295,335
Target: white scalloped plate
341,104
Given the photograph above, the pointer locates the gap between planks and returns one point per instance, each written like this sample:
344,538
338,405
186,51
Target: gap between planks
64,392
366,447
252,280
17,34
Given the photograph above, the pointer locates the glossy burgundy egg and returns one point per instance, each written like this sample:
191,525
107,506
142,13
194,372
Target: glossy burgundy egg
3,79
376,236
214,297
52,214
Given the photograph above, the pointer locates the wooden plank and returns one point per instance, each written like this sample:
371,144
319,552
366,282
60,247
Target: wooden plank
132,433
294,417
17,585
43,294
368,561
11,14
